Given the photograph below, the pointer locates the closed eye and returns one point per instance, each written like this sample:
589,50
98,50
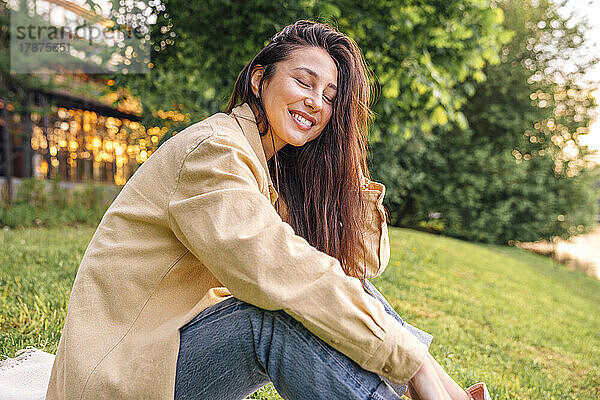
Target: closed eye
302,83
306,85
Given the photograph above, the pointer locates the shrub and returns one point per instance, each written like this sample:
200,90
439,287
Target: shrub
90,195
37,206
57,195
32,191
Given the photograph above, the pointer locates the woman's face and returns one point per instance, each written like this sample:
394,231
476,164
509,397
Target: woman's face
298,98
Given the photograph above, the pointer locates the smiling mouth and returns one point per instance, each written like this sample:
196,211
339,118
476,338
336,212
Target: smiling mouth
301,120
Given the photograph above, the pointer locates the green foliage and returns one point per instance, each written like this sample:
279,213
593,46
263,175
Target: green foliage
22,215
517,172
33,193
35,205
419,52
420,58
431,225
58,196
523,324
90,195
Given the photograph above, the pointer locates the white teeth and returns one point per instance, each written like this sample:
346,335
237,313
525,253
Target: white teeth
301,119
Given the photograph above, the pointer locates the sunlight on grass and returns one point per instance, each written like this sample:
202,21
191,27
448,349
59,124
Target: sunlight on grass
528,327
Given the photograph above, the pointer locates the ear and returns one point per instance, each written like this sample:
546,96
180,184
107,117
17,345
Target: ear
257,74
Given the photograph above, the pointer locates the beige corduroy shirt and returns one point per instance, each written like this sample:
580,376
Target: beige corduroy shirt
193,226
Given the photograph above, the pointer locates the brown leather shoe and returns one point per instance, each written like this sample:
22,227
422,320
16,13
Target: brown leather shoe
478,392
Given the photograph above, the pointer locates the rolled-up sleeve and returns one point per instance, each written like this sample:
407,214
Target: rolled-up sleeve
375,232
218,212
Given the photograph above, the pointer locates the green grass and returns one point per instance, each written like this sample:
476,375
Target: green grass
528,327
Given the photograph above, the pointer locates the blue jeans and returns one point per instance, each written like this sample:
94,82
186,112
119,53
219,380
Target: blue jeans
231,349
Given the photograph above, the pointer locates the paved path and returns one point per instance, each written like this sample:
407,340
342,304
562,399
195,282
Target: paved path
581,252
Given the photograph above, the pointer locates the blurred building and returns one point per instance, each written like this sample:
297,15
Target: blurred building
74,138
71,130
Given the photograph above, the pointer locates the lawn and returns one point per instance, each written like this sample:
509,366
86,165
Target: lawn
528,327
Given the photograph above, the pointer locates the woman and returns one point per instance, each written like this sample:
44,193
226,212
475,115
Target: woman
194,287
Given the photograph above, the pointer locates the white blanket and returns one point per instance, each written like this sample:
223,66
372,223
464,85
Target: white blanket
26,376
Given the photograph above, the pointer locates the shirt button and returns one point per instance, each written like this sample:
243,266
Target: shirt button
335,341
387,369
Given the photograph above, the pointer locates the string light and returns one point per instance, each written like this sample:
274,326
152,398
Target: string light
84,135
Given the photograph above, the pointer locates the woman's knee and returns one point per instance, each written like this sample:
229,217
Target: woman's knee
300,364
303,366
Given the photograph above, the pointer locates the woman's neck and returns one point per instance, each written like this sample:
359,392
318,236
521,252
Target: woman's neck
268,141
271,143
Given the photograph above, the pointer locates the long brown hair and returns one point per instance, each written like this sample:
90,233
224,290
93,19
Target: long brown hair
320,181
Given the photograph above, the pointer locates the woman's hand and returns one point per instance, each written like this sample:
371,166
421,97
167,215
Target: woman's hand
426,384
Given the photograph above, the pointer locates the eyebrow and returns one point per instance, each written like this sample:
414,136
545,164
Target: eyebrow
314,74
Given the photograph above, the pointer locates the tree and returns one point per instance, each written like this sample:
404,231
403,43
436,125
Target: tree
518,171
419,51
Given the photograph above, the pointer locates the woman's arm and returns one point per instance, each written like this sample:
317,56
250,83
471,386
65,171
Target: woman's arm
219,213
426,384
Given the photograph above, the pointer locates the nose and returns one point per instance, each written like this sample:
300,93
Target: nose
314,102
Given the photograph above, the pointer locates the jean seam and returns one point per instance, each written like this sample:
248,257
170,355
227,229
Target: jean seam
350,374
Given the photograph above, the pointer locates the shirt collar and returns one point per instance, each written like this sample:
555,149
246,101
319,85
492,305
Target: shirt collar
245,117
